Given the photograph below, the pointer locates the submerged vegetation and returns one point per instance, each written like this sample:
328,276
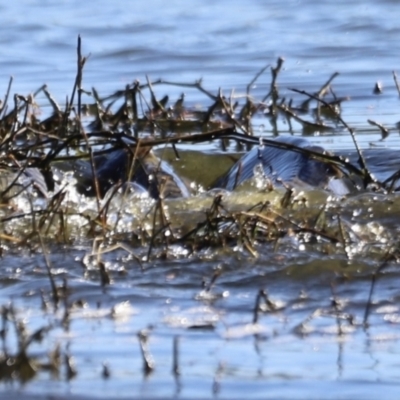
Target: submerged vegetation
45,161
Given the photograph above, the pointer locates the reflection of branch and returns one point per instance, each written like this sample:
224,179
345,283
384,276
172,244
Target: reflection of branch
148,361
388,257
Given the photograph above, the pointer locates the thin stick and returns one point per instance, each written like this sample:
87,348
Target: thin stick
4,106
336,307
274,88
259,73
80,63
396,82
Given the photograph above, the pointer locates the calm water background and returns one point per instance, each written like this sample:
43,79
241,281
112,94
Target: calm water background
226,43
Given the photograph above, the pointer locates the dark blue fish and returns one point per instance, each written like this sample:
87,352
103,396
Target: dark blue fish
284,166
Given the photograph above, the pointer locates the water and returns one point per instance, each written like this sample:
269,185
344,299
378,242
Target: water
293,352
226,44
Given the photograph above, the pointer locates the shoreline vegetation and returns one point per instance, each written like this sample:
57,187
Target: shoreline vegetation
38,213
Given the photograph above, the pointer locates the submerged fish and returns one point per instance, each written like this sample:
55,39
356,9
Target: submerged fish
285,166
149,174
280,166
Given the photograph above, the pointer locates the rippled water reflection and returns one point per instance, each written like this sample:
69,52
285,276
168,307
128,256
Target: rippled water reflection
301,349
